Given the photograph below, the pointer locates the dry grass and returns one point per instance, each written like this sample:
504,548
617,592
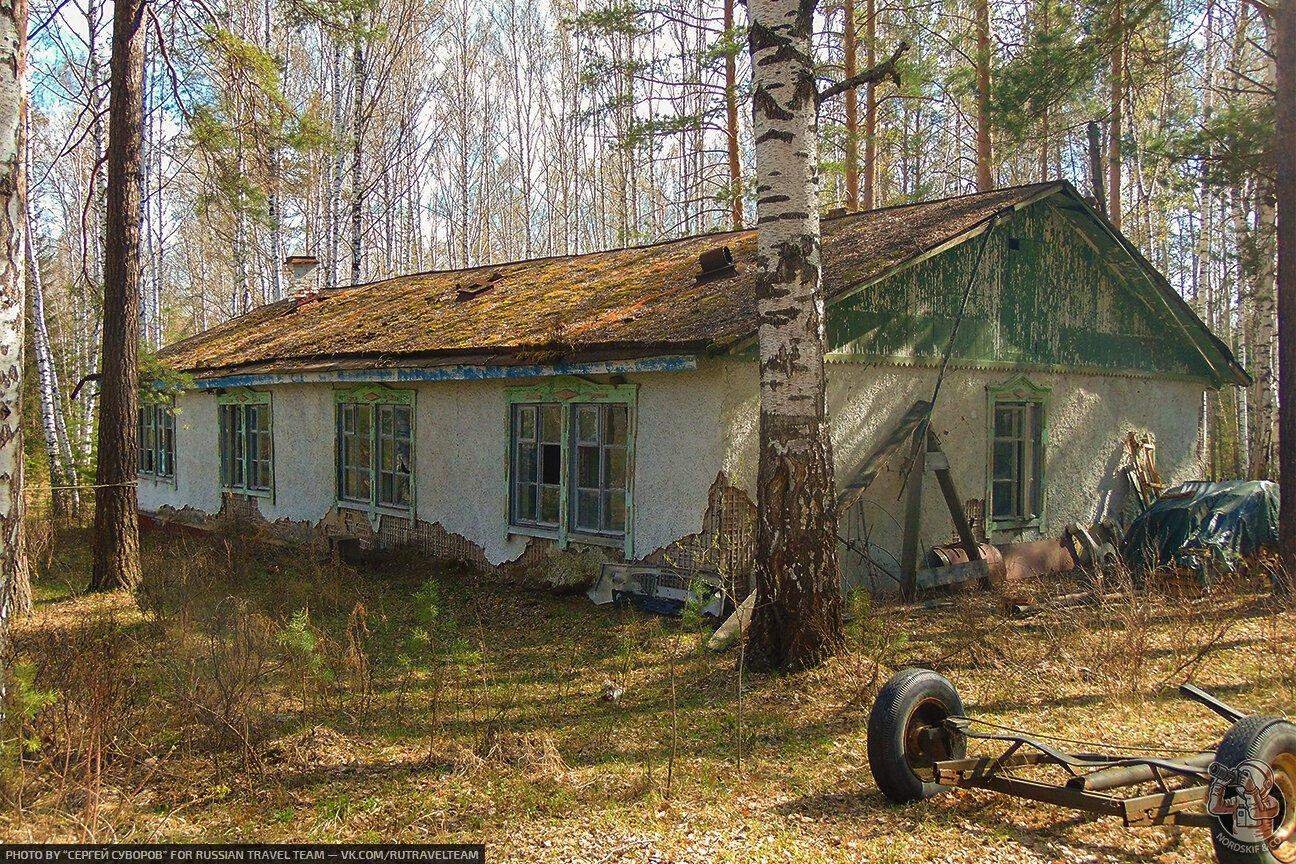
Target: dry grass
417,704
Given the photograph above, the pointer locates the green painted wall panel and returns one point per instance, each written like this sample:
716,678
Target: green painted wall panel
1053,301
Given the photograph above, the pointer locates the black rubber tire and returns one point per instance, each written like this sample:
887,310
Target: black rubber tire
1265,739
895,704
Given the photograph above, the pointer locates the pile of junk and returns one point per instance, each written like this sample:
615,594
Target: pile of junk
1200,527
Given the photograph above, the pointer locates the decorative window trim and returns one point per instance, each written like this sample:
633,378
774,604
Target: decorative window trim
567,391
165,408
246,396
1019,388
375,396
243,396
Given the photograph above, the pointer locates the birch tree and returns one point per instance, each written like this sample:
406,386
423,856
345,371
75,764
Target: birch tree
798,615
15,591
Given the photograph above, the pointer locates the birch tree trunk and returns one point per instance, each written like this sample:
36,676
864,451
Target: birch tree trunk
357,152
116,539
15,589
60,469
1285,151
798,615
57,448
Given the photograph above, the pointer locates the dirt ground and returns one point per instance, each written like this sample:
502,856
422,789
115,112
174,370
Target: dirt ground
248,693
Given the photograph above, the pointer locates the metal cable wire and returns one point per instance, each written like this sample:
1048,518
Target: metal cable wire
1102,745
920,431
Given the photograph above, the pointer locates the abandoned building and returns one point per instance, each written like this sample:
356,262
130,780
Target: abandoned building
610,399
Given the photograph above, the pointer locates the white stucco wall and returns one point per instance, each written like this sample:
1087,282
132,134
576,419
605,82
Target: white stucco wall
689,427
1088,420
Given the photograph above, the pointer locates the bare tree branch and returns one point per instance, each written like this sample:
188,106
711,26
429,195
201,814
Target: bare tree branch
886,70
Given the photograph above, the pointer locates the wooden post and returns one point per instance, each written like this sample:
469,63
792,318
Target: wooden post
913,517
946,480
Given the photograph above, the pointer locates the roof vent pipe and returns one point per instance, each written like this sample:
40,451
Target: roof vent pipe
716,262
301,275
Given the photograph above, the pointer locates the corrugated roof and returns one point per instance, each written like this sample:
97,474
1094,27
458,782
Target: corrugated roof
635,300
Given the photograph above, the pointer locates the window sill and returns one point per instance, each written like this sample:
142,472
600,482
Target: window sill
158,480
1003,525
251,493
614,540
533,531
381,509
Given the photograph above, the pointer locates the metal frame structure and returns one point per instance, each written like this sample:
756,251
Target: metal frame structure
1093,779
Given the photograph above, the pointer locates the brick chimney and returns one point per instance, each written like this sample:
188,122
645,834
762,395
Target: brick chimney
303,282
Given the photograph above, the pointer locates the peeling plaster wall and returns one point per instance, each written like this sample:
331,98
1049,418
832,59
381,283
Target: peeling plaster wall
693,426
689,427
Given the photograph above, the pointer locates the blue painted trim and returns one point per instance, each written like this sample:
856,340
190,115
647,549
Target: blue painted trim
666,363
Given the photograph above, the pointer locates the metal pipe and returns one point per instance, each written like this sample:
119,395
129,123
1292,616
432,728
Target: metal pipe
1132,775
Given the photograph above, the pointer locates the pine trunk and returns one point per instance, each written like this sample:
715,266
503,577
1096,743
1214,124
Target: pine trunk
274,208
797,620
116,540
984,174
870,109
15,589
731,123
1117,83
1285,151
852,107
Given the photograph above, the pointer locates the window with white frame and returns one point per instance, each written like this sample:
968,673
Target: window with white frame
570,459
1017,454
156,430
246,443
375,447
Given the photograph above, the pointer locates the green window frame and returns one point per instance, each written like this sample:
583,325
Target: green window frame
570,461
1017,413
156,431
375,448
246,428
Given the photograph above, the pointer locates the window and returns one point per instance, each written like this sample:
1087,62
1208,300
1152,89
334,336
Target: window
375,447
246,443
570,459
1017,454
157,440
599,478
537,465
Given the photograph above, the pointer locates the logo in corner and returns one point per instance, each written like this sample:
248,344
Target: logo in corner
1241,799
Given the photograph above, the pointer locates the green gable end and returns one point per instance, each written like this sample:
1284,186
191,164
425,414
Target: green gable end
1053,291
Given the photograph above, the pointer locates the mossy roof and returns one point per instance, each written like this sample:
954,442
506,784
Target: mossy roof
627,302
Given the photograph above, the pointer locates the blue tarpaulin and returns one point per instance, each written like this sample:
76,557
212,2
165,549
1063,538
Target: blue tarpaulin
1204,526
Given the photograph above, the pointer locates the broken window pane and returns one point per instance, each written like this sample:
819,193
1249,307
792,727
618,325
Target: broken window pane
551,468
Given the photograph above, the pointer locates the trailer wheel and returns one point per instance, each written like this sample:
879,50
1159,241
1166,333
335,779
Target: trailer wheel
906,735
1269,741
